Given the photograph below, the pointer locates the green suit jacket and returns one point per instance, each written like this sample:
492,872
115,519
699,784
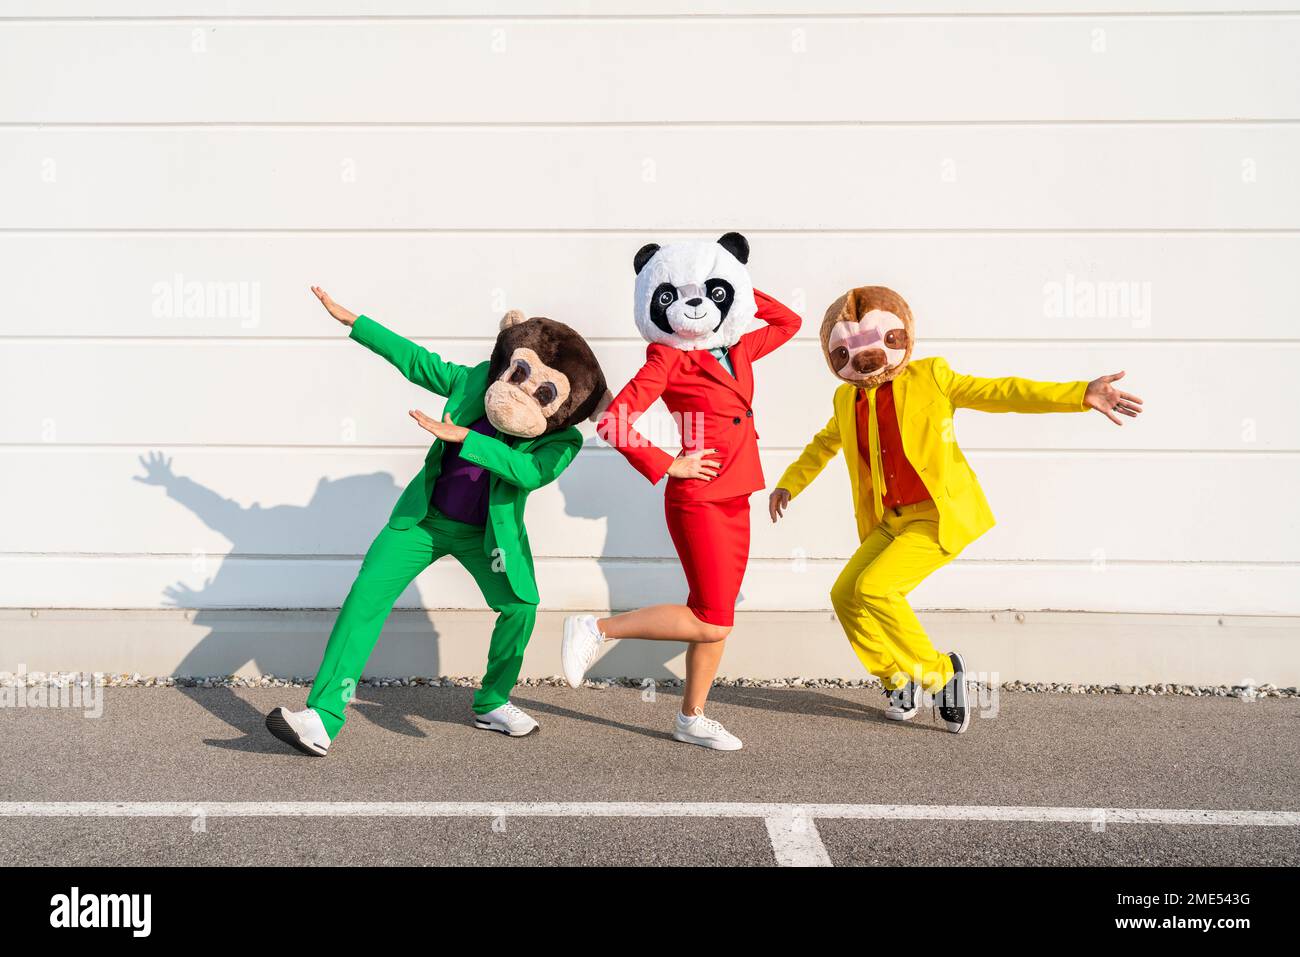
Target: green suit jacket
516,469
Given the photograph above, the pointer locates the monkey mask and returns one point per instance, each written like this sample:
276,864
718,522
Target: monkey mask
543,378
867,336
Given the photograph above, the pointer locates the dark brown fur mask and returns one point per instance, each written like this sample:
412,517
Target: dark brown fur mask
543,377
867,336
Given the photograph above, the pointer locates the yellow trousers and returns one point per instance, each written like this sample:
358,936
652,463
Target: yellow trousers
870,598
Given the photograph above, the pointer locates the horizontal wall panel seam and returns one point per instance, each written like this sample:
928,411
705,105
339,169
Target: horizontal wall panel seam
836,561
640,230
635,17
452,126
272,448
602,341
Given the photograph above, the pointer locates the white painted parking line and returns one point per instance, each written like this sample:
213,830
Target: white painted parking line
796,842
790,827
887,812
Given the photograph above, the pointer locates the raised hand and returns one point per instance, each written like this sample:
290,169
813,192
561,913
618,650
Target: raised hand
693,465
446,430
157,469
333,308
1108,400
777,503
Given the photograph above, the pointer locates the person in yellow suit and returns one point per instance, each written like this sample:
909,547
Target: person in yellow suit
917,501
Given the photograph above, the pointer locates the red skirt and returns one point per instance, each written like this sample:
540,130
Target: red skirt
712,542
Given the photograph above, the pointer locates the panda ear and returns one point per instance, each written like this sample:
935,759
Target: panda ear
643,255
735,244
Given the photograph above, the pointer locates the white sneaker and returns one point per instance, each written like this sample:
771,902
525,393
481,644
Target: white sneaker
582,640
300,729
705,732
903,703
507,719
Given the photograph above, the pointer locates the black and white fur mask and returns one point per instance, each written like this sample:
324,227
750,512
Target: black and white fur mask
694,295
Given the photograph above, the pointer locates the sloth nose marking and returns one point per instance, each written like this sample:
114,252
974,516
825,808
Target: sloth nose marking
869,361
693,302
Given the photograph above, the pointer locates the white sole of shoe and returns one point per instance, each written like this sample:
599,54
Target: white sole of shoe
900,715
567,662
279,726
502,729
709,743
953,726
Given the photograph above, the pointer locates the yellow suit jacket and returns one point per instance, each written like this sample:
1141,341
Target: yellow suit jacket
926,393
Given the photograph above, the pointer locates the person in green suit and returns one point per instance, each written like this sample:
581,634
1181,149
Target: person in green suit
508,428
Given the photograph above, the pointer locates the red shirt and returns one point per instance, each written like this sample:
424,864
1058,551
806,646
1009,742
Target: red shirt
902,485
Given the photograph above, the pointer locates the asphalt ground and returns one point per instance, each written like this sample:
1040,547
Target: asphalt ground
803,747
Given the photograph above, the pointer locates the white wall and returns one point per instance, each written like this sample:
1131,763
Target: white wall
435,169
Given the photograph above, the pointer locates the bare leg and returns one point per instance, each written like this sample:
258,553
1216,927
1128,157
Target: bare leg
660,623
702,660
676,623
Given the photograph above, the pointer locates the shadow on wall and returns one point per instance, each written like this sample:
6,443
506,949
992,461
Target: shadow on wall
633,511
348,509
354,509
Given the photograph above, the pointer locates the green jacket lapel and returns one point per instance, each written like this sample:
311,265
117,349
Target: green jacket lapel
465,407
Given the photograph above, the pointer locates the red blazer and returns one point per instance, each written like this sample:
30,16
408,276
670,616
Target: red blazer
712,407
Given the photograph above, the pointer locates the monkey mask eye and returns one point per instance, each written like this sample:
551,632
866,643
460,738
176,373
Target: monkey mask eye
545,394
525,395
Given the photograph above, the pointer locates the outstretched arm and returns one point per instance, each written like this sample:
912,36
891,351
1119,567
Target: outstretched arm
1008,394
418,364
527,470
782,324
1013,394
615,427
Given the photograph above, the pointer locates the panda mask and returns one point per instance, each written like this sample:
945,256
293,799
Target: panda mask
694,295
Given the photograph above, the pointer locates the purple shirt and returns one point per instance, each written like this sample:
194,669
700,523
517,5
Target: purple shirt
461,490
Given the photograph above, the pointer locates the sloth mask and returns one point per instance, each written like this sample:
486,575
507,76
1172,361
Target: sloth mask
867,336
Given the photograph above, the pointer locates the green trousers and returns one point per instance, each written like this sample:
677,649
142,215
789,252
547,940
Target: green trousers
391,564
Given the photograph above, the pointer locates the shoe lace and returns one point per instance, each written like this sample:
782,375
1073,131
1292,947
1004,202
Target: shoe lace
708,723
594,647
512,710
946,703
900,697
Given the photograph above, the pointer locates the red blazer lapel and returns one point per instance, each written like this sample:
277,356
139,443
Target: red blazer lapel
704,359
739,356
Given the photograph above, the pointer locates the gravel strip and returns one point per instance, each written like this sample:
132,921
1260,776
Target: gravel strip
34,679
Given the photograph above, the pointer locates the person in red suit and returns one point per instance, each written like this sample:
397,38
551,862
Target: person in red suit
694,301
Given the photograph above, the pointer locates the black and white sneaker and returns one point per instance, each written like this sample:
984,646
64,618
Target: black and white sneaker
507,719
902,703
299,729
951,700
